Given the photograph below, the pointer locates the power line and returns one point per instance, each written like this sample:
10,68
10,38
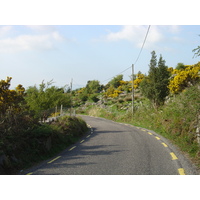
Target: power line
137,57
143,44
117,74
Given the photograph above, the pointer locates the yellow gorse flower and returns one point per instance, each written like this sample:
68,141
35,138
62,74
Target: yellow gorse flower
185,77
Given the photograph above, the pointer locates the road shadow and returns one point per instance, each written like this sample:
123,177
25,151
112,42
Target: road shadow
81,155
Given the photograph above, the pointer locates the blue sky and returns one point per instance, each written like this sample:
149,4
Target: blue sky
33,53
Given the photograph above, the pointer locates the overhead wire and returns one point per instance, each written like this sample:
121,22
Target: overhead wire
117,74
143,44
136,58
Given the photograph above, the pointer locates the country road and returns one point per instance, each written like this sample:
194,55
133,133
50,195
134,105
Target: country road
111,148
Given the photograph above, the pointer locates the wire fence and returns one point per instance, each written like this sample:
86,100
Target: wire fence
52,114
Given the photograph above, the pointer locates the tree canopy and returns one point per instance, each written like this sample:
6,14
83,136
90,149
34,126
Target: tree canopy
155,85
46,97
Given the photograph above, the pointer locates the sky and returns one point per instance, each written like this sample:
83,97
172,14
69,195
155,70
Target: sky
33,53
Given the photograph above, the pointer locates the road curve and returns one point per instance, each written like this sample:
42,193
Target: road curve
111,148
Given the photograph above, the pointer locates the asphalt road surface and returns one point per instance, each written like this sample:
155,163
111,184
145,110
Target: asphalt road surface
111,148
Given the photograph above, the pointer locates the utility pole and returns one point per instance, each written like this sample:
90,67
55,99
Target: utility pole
61,110
56,110
71,98
132,89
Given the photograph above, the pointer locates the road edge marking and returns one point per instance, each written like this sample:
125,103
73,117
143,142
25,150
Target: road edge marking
88,136
54,159
165,145
181,171
72,148
174,157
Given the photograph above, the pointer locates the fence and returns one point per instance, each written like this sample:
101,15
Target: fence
53,114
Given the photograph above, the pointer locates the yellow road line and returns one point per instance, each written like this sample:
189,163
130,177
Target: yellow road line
143,130
164,144
88,125
181,171
157,138
72,148
150,133
88,136
29,173
173,156
82,141
54,159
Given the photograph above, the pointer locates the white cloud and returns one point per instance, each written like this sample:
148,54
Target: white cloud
4,30
136,34
41,28
126,33
174,28
30,42
57,36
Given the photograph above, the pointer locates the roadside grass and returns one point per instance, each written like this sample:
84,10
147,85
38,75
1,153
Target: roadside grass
41,143
176,120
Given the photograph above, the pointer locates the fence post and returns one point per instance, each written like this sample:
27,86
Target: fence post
198,128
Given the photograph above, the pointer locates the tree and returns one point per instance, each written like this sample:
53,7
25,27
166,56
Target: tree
46,97
180,66
196,51
163,81
93,87
148,83
115,82
14,112
10,99
155,85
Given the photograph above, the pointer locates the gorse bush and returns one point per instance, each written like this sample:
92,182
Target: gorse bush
184,77
23,140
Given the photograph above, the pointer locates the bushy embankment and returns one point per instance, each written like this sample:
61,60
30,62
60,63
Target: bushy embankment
176,120
22,150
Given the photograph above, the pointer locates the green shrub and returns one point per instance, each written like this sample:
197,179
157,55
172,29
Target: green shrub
94,97
40,142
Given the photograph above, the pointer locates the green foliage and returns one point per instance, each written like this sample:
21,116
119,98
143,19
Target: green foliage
116,86
14,113
115,82
83,97
10,99
46,97
94,97
155,85
40,142
196,51
180,66
93,87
